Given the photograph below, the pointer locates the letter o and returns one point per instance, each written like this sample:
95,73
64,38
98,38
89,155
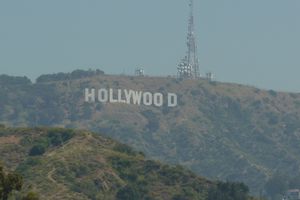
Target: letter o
147,99
103,95
158,99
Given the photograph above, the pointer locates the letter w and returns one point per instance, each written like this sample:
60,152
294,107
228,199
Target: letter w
135,95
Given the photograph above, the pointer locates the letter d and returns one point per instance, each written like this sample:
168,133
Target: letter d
172,100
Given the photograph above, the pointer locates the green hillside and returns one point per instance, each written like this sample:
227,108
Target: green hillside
219,130
66,164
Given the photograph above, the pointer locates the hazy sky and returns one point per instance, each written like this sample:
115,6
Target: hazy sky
253,42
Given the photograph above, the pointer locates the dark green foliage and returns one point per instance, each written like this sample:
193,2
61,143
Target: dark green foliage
31,196
80,170
213,83
87,187
37,150
83,73
120,163
272,93
14,80
77,74
59,136
173,175
8,183
129,192
151,165
229,191
195,92
55,137
52,77
28,163
180,197
123,148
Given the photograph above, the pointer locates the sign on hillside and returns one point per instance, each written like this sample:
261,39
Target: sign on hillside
129,96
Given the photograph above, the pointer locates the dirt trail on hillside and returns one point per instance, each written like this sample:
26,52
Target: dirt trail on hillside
62,189
50,174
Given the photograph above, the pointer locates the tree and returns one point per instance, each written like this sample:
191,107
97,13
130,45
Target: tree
229,191
8,183
31,196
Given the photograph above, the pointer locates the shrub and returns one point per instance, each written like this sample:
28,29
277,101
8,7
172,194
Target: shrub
180,197
228,191
123,148
31,196
76,74
195,92
213,83
8,183
29,163
14,80
37,150
120,163
256,90
272,93
128,192
151,165
59,136
80,170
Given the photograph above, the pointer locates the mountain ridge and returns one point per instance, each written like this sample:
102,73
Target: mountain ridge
66,164
219,130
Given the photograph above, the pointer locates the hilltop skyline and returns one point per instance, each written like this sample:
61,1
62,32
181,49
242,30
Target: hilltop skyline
254,43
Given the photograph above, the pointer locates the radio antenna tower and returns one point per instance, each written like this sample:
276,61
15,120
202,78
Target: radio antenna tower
189,65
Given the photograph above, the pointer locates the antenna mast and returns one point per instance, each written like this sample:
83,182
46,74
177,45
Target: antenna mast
189,66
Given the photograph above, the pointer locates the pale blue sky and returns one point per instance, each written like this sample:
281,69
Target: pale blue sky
253,42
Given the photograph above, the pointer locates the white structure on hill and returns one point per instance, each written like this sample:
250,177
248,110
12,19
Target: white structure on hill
189,65
139,71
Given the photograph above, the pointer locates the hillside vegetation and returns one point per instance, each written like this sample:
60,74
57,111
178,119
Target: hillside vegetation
219,130
66,164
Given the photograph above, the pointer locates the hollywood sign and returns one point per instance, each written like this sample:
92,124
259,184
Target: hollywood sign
110,95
